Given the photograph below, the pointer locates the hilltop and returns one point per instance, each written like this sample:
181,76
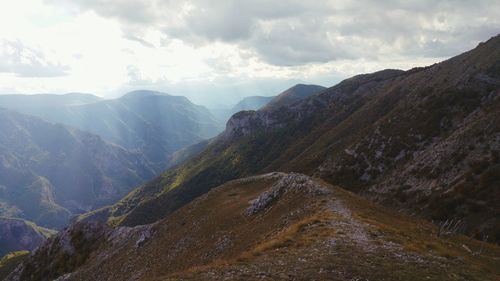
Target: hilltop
275,226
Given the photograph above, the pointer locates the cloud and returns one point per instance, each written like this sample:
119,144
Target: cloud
21,60
295,32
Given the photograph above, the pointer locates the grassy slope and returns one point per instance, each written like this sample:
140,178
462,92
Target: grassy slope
363,241
301,235
10,261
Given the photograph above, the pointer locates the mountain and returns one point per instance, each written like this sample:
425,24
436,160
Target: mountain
223,113
423,141
251,103
291,95
42,103
152,123
48,172
295,93
274,226
17,234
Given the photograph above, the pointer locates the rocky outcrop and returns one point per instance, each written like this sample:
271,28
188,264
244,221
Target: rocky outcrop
300,229
72,247
278,116
286,183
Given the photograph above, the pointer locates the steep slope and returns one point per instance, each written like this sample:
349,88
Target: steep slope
49,172
276,227
152,123
294,94
10,261
223,113
188,152
289,96
423,141
17,234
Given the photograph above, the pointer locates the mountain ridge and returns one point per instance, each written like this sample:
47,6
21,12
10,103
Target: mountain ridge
338,124
150,122
277,226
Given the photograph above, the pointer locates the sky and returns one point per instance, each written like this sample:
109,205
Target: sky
217,51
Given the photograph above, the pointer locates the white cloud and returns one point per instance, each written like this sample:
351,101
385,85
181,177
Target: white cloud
108,46
18,59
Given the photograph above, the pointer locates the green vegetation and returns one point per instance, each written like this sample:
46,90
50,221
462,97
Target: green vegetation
57,261
10,261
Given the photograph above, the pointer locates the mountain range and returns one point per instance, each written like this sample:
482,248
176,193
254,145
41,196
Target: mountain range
152,123
294,190
251,103
424,141
50,171
294,93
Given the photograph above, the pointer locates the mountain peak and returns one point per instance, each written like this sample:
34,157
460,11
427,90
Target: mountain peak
293,94
143,93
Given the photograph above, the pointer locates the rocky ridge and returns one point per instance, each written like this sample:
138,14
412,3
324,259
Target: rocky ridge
302,223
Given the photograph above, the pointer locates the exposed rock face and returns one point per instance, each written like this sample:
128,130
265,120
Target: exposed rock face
251,103
16,235
63,253
246,122
286,183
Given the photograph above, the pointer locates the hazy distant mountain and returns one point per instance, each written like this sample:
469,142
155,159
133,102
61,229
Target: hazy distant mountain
41,103
223,113
152,123
295,93
49,171
251,103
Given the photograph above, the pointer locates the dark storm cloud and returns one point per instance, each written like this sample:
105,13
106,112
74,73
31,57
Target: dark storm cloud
302,32
21,60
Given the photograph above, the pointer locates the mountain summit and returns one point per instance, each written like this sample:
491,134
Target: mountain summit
295,93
